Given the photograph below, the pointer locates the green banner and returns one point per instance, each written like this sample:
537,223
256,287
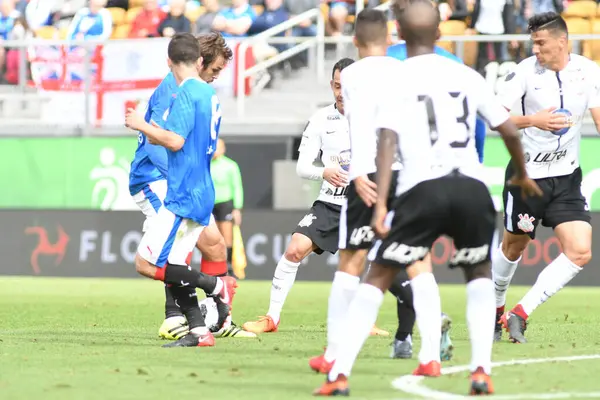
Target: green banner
67,173
93,173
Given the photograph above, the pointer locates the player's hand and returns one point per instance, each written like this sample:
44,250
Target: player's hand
366,190
133,120
378,222
527,185
547,121
336,176
236,215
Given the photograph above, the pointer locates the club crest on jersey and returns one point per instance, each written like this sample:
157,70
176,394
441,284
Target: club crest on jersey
344,160
526,223
307,220
568,118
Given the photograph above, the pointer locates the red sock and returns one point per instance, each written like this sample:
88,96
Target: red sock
213,268
500,310
518,310
159,275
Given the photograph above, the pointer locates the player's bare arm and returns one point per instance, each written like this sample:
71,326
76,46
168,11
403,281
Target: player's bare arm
596,117
385,158
510,136
544,120
155,134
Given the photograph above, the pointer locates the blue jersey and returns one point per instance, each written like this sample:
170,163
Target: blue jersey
398,51
195,115
150,161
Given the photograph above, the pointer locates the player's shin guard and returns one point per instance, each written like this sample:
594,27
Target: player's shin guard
360,318
187,299
428,309
181,275
171,307
502,273
480,320
213,268
405,308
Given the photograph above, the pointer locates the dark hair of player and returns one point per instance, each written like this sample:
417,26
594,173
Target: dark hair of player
371,27
420,23
550,21
183,49
213,46
398,7
341,65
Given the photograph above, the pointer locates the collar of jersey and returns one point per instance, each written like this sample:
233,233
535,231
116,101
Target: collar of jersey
191,77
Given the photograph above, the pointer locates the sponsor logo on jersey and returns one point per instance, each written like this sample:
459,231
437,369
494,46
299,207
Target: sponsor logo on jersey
364,234
333,117
549,157
526,223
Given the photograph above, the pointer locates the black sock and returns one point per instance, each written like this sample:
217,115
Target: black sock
182,275
171,308
187,299
406,312
229,257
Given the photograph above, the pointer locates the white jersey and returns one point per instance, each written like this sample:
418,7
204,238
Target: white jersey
326,135
574,89
434,115
360,82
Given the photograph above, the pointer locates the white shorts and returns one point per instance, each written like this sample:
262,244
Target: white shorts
169,239
151,199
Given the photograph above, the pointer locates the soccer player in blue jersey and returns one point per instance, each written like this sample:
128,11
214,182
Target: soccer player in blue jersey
191,126
148,188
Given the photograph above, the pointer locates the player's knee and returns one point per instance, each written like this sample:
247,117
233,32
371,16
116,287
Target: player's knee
513,249
477,271
294,253
579,256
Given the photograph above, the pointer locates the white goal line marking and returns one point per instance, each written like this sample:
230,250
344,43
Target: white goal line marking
414,384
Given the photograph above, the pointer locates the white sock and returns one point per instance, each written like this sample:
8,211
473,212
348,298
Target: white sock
428,310
200,330
503,271
343,288
481,315
553,278
218,287
360,318
180,319
283,280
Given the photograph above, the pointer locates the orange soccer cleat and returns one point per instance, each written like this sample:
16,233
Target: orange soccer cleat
431,369
375,331
481,383
339,387
264,324
320,365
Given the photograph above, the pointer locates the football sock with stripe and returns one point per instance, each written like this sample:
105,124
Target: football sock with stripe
502,273
480,321
343,289
171,307
283,280
406,312
187,299
428,309
183,275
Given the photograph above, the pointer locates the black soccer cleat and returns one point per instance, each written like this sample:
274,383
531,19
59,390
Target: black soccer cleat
516,327
498,327
193,340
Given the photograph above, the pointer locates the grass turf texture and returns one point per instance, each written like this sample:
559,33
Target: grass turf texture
97,339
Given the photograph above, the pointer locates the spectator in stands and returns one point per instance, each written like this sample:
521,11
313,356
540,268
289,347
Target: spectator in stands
235,20
20,32
91,23
176,21
305,29
274,14
492,17
124,4
339,10
67,10
21,5
8,17
454,10
40,13
146,23
204,23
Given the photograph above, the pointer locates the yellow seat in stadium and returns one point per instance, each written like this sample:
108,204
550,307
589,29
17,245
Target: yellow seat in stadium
258,9
324,11
580,26
117,14
132,13
595,44
581,9
121,32
194,14
47,32
451,28
62,33
136,3
392,27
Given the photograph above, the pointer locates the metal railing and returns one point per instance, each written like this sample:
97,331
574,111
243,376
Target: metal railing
266,36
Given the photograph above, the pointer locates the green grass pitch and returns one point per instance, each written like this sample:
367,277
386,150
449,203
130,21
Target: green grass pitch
97,339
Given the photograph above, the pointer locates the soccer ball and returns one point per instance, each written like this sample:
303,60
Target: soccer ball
568,116
209,311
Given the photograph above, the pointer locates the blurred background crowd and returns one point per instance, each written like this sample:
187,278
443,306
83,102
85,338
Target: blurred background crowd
122,19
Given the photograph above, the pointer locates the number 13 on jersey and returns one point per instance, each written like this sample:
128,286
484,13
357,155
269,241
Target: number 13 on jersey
461,132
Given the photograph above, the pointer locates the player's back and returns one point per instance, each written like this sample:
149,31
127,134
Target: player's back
436,103
194,115
143,170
